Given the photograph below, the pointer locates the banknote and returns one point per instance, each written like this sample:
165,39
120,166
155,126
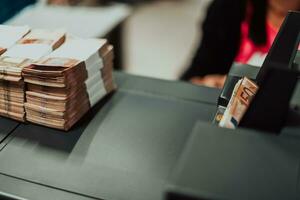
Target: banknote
66,84
243,93
30,45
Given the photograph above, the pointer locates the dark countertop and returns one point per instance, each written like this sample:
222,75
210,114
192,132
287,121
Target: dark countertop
125,148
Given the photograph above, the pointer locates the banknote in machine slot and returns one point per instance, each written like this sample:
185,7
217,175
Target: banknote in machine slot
243,93
237,72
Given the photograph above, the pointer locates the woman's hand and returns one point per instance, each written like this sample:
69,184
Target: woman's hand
214,80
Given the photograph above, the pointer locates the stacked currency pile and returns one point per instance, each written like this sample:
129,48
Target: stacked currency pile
33,46
242,95
64,85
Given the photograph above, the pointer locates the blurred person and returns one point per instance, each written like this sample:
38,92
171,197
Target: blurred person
236,30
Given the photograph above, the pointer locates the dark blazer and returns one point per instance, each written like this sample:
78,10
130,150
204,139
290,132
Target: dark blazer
221,38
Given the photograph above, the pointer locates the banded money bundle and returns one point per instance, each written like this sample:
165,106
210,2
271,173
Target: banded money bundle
33,46
64,85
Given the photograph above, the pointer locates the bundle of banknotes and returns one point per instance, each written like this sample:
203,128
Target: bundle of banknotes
29,46
243,93
10,97
50,80
64,85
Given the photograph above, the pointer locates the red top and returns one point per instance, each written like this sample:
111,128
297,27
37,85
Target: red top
251,53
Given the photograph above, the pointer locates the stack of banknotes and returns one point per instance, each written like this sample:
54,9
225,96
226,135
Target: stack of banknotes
25,46
64,85
50,79
243,93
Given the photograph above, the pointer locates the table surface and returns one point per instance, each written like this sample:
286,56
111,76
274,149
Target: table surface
125,148
77,21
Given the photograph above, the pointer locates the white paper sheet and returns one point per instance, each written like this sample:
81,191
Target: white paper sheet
32,51
78,49
9,35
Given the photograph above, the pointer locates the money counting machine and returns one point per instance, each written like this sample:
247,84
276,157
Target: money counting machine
151,139
261,158
277,80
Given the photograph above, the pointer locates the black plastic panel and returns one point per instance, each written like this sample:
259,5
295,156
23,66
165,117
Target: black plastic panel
236,164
